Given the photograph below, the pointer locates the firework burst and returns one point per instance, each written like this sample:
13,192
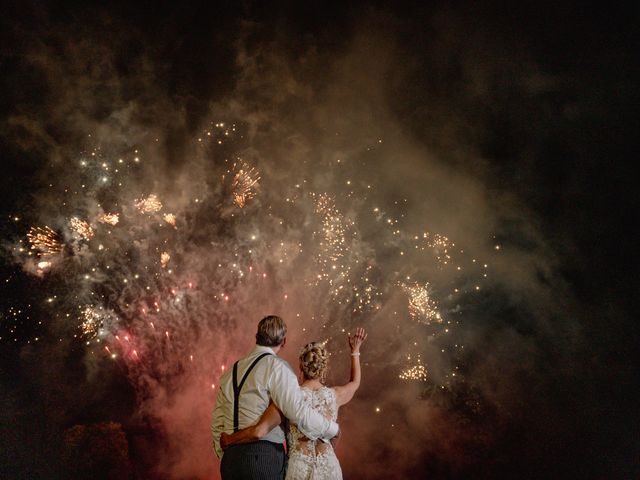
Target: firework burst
96,321
81,229
422,306
109,218
45,241
164,259
417,372
244,183
170,218
334,231
151,204
90,321
334,227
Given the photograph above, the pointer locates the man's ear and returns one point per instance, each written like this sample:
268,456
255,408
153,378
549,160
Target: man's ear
284,342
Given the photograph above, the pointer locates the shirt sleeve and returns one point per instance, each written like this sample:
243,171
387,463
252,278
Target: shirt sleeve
285,393
217,422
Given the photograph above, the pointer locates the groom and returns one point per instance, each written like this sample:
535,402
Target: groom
244,394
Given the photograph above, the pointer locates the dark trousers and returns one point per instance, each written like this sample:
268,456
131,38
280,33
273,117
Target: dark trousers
250,461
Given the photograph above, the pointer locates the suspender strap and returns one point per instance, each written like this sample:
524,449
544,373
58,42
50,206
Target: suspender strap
237,388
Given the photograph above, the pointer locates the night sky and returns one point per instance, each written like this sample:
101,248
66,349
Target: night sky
508,129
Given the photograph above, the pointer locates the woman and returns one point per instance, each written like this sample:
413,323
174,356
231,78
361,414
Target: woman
310,459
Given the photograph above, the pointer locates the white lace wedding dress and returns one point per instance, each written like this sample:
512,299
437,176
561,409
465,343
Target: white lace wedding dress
314,459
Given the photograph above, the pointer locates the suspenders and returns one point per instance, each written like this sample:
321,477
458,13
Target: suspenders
237,388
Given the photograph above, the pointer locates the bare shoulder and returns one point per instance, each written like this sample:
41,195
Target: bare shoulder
344,393
337,393
338,390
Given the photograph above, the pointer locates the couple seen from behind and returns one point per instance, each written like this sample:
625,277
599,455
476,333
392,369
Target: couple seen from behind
260,400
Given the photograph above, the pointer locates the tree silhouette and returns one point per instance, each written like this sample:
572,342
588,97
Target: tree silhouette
99,452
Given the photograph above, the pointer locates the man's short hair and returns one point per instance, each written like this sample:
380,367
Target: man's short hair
271,331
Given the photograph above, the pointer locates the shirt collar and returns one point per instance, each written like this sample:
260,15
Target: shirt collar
262,349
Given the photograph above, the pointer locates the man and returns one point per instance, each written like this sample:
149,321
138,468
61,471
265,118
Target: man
244,394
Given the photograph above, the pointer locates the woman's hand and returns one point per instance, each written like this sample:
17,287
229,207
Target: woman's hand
344,393
356,339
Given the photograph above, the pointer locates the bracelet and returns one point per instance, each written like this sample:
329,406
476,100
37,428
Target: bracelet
356,354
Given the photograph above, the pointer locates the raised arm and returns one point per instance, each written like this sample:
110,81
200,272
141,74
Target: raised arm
271,418
345,392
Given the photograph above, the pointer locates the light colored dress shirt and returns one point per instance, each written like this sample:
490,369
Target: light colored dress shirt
271,379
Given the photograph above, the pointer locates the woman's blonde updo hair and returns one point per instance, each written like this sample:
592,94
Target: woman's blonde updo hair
313,361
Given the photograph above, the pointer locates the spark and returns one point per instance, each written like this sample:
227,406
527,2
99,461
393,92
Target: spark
417,372
164,259
80,228
45,241
151,204
335,227
170,218
439,244
96,320
90,321
109,218
422,307
243,185
43,265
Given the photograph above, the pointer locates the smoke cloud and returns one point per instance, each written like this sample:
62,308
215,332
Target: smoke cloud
376,171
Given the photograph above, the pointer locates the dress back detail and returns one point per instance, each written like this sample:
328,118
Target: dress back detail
314,459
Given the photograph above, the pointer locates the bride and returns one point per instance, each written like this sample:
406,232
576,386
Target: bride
310,459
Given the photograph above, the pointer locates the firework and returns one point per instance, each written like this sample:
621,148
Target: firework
422,307
90,321
45,241
164,259
333,244
151,204
244,182
343,268
154,317
80,228
43,264
97,321
439,244
170,218
109,218
334,228
417,372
